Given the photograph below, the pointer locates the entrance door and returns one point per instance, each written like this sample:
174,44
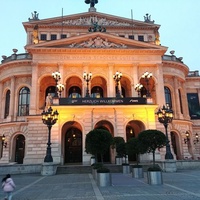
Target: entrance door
73,146
20,149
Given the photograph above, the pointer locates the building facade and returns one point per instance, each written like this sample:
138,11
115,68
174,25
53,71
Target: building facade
113,53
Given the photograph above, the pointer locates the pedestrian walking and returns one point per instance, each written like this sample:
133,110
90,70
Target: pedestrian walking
8,186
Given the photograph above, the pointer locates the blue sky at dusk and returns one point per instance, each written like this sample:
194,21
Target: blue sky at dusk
179,20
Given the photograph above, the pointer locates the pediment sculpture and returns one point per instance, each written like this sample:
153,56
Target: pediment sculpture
97,42
88,21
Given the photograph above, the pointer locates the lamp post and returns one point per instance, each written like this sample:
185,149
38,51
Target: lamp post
146,77
49,118
60,88
117,77
165,116
87,77
57,77
138,88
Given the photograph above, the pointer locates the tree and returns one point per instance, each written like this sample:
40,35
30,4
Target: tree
134,146
151,140
98,141
118,145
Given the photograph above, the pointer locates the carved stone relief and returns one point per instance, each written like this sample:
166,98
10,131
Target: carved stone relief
97,42
88,20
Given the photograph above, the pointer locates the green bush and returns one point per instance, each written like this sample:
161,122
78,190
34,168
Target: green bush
103,170
151,140
98,141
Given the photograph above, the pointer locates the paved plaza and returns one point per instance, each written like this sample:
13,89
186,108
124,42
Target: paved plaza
184,185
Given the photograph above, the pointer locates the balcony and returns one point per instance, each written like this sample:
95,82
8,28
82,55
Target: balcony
22,56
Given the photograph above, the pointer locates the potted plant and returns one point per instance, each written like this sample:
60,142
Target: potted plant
135,148
151,140
116,145
92,160
97,142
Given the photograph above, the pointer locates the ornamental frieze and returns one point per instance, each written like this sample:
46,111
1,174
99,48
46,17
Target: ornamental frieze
97,42
88,20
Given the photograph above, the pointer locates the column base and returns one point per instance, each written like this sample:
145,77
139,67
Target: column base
49,169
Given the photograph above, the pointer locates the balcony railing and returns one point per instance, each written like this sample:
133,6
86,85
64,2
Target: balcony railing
172,58
22,56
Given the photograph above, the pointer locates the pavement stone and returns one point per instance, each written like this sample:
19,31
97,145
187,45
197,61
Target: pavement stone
182,185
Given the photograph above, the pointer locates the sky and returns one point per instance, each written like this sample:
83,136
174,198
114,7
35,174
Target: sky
179,20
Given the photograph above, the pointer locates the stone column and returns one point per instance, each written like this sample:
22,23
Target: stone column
12,109
176,99
136,79
111,84
2,102
160,93
185,103
34,90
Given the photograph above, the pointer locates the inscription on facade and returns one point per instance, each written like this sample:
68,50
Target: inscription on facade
102,101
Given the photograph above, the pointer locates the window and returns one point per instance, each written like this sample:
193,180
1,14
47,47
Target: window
53,37
24,100
97,92
140,38
121,36
43,37
7,104
131,37
63,36
51,90
168,99
193,105
74,92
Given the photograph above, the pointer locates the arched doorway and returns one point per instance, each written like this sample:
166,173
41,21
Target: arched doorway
133,128
175,145
20,149
109,127
73,146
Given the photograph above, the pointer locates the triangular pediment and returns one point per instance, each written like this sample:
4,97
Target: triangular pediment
85,19
96,40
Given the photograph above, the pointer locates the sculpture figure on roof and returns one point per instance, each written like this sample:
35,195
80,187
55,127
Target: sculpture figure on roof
91,2
34,16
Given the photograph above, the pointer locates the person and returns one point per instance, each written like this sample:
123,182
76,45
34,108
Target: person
8,186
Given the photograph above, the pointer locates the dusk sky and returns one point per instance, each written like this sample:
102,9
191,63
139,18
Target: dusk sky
179,20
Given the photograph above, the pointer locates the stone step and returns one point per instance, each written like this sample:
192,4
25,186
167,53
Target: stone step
83,169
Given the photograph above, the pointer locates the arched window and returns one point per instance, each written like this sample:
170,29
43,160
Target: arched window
51,90
7,104
74,92
24,101
97,92
168,99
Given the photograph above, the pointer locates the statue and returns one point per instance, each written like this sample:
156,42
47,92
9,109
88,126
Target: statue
91,2
35,39
34,16
49,101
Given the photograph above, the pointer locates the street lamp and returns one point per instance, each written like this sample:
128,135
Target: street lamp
49,118
87,77
57,77
117,76
165,116
138,88
146,77
60,88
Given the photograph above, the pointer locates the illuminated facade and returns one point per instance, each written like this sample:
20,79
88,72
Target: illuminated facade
102,45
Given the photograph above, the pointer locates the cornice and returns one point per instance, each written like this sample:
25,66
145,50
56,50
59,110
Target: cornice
14,63
99,51
178,65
